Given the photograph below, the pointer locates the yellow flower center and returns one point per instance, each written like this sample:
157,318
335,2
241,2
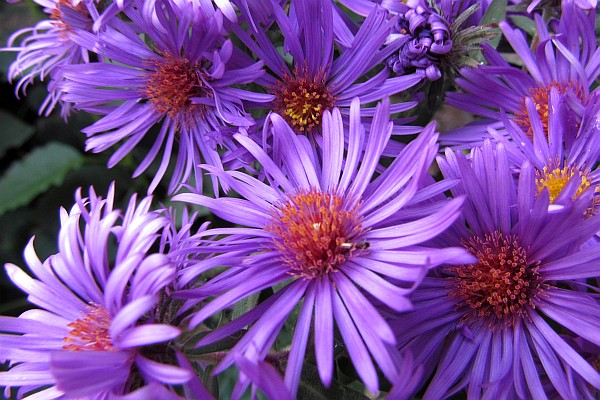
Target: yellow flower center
302,99
555,179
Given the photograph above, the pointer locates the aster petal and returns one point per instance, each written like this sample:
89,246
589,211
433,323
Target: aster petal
256,343
153,274
393,296
146,335
242,321
333,149
30,342
526,368
480,363
418,231
129,314
253,284
380,342
41,271
355,346
324,330
501,357
24,325
406,273
41,356
239,211
351,297
429,257
265,377
265,161
267,327
152,390
583,264
16,377
356,137
575,311
299,340
544,333
379,136
457,356
47,394
551,365
43,296
164,373
301,170
518,43
86,373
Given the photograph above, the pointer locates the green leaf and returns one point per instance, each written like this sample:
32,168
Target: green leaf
44,167
494,14
525,23
245,305
13,132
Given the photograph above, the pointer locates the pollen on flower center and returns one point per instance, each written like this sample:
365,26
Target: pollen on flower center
555,179
173,83
302,99
316,232
540,97
501,285
91,332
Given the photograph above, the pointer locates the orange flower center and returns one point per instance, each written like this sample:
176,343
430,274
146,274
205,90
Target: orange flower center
540,97
173,83
316,232
91,332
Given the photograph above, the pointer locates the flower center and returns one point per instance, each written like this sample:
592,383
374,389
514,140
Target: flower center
540,97
501,285
316,232
302,99
173,83
555,179
90,332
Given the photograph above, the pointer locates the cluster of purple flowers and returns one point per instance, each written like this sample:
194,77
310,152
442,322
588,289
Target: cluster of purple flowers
425,265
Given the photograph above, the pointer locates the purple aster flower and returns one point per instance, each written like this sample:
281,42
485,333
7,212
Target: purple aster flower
97,332
179,77
494,326
322,233
564,157
49,45
320,78
425,36
567,60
